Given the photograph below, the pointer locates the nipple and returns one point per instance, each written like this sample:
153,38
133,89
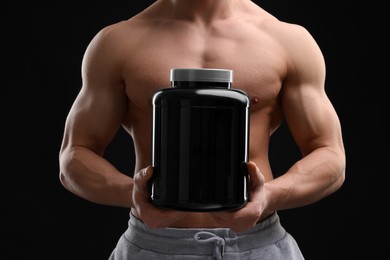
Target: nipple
255,100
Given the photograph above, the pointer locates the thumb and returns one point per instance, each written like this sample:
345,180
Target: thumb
144,175
256,177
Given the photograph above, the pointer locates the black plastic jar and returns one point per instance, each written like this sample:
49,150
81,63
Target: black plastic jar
200,142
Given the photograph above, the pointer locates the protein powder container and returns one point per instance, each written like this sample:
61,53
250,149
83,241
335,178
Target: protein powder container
200,142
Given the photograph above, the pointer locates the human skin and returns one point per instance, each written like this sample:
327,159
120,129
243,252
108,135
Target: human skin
278,64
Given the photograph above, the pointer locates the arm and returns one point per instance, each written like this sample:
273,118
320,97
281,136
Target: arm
314,126
316,129
92,122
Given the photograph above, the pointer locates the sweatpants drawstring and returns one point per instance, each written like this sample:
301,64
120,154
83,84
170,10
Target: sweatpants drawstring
204,237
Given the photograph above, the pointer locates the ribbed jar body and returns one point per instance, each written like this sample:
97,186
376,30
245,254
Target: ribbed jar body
200,146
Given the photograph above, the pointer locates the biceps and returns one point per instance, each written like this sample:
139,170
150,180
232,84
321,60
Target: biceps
93,120
311,118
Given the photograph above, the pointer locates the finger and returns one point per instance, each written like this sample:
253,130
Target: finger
143,177
256,177
140,189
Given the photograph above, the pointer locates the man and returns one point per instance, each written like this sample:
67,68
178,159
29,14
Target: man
281,68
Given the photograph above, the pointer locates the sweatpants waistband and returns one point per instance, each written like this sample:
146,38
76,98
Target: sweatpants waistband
183,240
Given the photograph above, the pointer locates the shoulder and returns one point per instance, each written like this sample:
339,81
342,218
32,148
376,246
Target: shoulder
295,45
275,27
290,35
287,34
293,38
115,35
301,51
113,42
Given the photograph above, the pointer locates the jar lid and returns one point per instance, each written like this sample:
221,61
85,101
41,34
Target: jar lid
202,74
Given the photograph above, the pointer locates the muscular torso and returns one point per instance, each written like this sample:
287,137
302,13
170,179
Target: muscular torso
155,47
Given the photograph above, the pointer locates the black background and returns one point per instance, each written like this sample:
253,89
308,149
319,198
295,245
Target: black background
42,46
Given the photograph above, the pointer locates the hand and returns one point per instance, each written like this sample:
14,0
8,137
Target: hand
248,216
151,215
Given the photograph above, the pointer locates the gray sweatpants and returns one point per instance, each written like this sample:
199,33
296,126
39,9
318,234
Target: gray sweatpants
267,240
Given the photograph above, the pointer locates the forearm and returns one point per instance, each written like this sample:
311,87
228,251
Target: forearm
93,178
312,178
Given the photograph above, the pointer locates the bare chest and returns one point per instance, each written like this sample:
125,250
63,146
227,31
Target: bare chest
257,67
